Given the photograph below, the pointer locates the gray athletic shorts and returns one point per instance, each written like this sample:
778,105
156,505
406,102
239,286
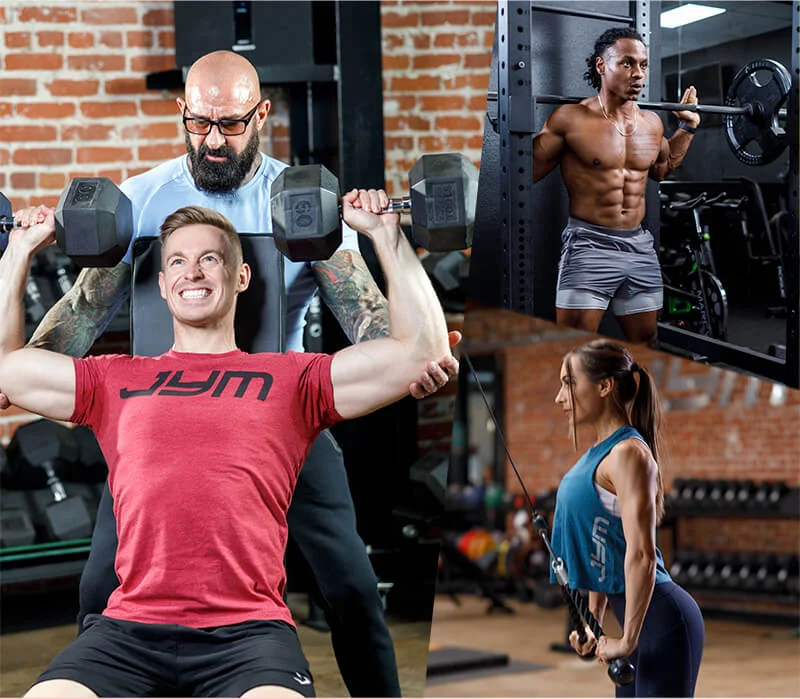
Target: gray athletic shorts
602,265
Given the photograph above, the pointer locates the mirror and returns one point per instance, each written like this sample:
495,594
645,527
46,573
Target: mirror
725,225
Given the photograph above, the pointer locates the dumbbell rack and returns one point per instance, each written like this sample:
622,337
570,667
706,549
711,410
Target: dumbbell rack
50,486
788,507
46,561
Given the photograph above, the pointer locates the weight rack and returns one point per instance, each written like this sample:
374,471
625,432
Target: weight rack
513,264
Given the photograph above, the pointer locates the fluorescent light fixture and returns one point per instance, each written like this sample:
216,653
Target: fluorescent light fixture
686,14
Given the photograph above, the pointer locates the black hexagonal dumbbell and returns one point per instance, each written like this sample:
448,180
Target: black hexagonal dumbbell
754,574
701,494
38,450
760,499
745,491
765,579
16,525
746,572
305,207
729,496
710,569
729,573
695,571
686,493
786,573
717,493
678,569
776,492
723,570
94,222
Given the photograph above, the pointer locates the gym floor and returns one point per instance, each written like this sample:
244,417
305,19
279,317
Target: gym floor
740,659
24,654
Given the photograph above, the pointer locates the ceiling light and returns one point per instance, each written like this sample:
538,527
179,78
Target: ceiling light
686,14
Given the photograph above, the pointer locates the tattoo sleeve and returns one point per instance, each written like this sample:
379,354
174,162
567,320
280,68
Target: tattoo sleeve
73,324
348,289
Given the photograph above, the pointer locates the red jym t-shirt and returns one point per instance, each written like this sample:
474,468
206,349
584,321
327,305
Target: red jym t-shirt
203,453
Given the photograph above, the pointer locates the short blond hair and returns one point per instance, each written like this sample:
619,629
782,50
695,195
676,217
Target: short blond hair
199,215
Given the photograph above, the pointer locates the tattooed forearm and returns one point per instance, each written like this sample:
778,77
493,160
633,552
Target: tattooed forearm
348,289
73,324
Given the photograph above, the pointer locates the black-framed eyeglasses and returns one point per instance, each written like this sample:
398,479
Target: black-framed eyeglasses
227,127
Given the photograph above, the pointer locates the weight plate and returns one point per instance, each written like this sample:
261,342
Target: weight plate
758,138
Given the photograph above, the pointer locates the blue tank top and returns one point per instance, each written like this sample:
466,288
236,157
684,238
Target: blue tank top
585,534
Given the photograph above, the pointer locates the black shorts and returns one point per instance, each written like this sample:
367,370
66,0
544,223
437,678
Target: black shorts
117,658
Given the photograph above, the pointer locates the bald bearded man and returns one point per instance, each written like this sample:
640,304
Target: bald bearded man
224,170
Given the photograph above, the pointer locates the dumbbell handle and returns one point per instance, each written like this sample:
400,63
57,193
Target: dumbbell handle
7,223
54,483
6,226
397,205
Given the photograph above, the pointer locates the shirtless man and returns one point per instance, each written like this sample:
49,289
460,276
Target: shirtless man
608,147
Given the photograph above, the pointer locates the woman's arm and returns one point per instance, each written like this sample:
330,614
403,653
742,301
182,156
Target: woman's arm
634,476
597,605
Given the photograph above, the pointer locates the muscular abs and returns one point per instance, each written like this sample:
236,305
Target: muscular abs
605,172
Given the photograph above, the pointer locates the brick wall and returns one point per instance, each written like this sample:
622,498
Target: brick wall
719,424
73,100
436,58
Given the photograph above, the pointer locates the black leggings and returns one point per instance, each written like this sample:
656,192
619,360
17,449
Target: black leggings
322,523
670,648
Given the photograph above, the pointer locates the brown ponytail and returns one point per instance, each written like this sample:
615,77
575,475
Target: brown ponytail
645,416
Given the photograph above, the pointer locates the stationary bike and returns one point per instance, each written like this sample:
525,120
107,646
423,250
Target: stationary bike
694,297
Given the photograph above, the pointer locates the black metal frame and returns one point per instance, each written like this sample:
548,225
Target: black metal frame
503,255
512,226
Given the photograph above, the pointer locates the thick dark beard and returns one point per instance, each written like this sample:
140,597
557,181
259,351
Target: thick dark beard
224,176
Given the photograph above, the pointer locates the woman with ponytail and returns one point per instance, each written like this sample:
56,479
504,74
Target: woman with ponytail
604,527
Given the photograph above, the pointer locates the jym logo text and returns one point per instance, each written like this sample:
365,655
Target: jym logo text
169,383
599,530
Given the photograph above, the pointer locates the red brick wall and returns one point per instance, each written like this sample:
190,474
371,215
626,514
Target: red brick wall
719,424
436,58
73,95
73,100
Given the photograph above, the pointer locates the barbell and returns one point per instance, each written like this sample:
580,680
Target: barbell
754,109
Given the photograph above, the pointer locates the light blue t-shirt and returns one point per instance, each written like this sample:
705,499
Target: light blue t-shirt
586,535
167,187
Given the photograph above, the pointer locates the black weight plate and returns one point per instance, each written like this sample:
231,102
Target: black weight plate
761,127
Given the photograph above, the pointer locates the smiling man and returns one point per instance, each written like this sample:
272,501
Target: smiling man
607,148
202,485
222,112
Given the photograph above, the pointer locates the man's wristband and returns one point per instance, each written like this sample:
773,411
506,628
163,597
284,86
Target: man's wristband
687,128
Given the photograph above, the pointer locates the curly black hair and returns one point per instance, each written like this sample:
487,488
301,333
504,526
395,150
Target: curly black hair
607,39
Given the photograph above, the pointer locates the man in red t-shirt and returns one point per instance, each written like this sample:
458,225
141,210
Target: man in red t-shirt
204,444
